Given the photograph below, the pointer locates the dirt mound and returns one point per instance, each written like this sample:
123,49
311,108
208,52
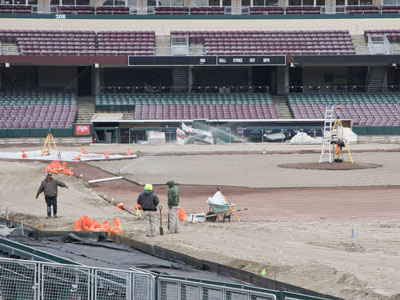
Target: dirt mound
346,165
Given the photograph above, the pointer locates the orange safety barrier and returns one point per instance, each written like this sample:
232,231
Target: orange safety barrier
56,168
117,226
182,215
67,171
91,225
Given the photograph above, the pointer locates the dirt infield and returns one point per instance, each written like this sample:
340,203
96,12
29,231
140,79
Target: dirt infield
300,233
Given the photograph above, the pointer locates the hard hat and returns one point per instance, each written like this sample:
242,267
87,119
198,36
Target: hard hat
49,174
148,187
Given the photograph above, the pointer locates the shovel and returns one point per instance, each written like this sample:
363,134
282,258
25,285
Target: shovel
161,228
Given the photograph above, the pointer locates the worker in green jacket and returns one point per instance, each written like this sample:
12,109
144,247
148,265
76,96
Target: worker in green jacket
173,205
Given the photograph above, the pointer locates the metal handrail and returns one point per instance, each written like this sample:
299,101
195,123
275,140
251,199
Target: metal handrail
338,89
340,9
160,89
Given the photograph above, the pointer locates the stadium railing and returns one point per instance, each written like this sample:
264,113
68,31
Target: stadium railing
341,89
206,10
161,89
23,279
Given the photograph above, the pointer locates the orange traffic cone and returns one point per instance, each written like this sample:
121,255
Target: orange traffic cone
128,152
106,154
84,151
77,158
120,206
24,154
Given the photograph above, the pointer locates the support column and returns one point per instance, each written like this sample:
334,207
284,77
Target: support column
44,6
189,3
377,2
250,76
330,6
142,7
190,78
286,89
96,84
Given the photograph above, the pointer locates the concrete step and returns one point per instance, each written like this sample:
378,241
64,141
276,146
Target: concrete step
281,107
86,109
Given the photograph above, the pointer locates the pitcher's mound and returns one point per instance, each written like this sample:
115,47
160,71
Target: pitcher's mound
346,165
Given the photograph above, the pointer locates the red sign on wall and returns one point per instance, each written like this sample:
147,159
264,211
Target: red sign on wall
82,129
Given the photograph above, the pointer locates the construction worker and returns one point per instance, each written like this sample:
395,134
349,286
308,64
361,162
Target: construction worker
49,187
173,205
148,200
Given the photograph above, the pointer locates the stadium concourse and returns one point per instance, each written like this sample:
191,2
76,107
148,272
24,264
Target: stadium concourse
335,232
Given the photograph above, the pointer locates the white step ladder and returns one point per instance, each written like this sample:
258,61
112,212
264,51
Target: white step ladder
326,156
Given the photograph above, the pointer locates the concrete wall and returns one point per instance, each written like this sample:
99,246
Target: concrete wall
58,77
315,76
17,76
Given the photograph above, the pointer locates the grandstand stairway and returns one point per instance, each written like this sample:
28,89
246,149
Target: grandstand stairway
86,109
180,79
281,107
376,78
360,44
163,45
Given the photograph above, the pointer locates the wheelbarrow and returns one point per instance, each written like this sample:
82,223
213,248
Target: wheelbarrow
217,210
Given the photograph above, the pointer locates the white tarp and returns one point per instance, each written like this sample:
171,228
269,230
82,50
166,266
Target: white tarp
156,137
350,136
64,156
304,138
218,199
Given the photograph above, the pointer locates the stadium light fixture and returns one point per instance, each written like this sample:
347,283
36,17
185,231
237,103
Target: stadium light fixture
394,65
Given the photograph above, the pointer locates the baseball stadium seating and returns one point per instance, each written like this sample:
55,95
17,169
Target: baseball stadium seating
126,42
109,10
390,9
190,106
337,42
393,35
52,42
171,11
37,108
357,10
15,9
76,10
303,10
267,10
365,109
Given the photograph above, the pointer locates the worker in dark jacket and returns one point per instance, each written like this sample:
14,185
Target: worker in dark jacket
173,205
49,186
148,200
